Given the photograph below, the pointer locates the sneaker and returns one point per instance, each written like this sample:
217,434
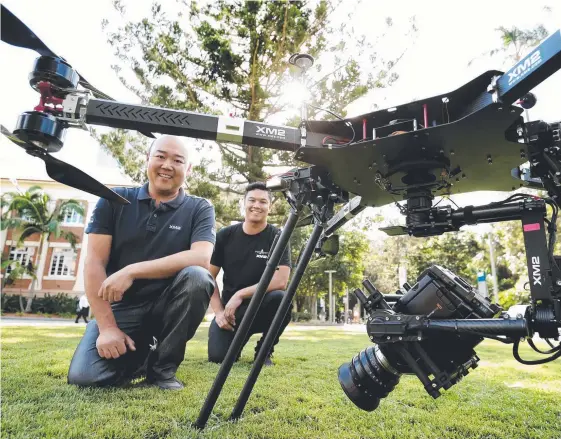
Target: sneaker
268,361
168,384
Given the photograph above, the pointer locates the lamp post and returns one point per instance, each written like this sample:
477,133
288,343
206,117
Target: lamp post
331,301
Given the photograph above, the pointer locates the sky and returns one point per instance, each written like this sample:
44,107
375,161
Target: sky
450,35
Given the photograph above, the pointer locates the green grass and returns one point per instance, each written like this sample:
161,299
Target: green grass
299,397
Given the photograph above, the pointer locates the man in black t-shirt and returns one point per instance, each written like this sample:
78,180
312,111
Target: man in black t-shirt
241,250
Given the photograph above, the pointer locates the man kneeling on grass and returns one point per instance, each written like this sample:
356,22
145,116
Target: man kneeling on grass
146,277
241,251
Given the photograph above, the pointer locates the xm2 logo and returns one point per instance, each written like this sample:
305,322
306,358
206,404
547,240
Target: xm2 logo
276,133
536,270
524,68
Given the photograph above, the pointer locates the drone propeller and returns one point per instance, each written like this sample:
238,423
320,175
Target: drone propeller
16,33
65,173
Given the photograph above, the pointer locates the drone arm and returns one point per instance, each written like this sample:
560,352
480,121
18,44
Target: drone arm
189,124
541,63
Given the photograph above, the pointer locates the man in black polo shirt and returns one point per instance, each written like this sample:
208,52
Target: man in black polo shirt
241,251
146,276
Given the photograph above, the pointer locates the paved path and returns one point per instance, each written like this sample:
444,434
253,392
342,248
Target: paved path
42,321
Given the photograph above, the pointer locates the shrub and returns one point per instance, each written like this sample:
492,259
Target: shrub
10,303
58,304
301,316
512,297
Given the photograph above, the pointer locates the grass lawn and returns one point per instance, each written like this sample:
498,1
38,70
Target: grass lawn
299,397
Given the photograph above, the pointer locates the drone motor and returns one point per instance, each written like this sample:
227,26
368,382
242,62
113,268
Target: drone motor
56,72
41,129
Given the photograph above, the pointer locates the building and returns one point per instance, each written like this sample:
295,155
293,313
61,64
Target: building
60,267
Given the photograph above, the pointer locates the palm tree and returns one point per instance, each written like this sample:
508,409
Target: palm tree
35,214
518,41
17,271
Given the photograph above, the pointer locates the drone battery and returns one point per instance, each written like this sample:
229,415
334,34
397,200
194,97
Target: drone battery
441,294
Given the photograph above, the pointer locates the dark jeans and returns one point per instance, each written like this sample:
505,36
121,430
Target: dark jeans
219,340
84,312
160,329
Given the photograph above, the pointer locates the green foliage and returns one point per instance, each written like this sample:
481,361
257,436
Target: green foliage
516,42
60,304
513,296
301,316
226,56
348,264
34,213
10,303
461,252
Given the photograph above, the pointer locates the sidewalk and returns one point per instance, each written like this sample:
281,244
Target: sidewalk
6,321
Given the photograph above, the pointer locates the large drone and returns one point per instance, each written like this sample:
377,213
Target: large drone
473,138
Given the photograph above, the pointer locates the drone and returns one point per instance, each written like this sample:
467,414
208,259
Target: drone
473,138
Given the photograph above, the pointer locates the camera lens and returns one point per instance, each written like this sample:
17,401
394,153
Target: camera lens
368,378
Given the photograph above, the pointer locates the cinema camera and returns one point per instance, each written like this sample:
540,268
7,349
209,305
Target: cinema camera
471,139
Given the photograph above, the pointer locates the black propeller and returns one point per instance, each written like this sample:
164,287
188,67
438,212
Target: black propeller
16,33
65,173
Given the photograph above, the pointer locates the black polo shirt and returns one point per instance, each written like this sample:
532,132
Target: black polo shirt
143,232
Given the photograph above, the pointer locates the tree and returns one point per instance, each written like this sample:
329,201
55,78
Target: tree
382,267
348,264
231,57
516,42
35,215
17,272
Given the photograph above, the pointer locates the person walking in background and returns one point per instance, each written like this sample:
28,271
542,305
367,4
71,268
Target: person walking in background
83,309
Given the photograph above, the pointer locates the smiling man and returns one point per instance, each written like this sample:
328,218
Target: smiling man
241,251
146,276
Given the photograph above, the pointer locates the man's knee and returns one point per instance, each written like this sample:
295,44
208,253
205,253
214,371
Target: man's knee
276,296
194,280
215,356
82,375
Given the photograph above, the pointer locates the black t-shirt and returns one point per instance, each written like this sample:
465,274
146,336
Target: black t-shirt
143,232
243,257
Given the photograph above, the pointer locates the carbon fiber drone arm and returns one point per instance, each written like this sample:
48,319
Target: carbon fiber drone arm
189,124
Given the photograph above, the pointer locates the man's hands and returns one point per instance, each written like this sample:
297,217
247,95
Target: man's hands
112,343
222,322
230,309
113,288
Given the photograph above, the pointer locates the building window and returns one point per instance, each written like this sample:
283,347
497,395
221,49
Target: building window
21,255
62,262
72,217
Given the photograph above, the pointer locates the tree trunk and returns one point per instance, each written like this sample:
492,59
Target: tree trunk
30,297
31,293
315,307
21,302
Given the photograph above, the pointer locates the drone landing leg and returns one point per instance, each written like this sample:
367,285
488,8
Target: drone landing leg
277,321
246,322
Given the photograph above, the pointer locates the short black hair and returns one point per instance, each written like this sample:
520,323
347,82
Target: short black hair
258,185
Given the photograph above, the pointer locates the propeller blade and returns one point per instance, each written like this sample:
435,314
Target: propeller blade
16,33
65,173
71,176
